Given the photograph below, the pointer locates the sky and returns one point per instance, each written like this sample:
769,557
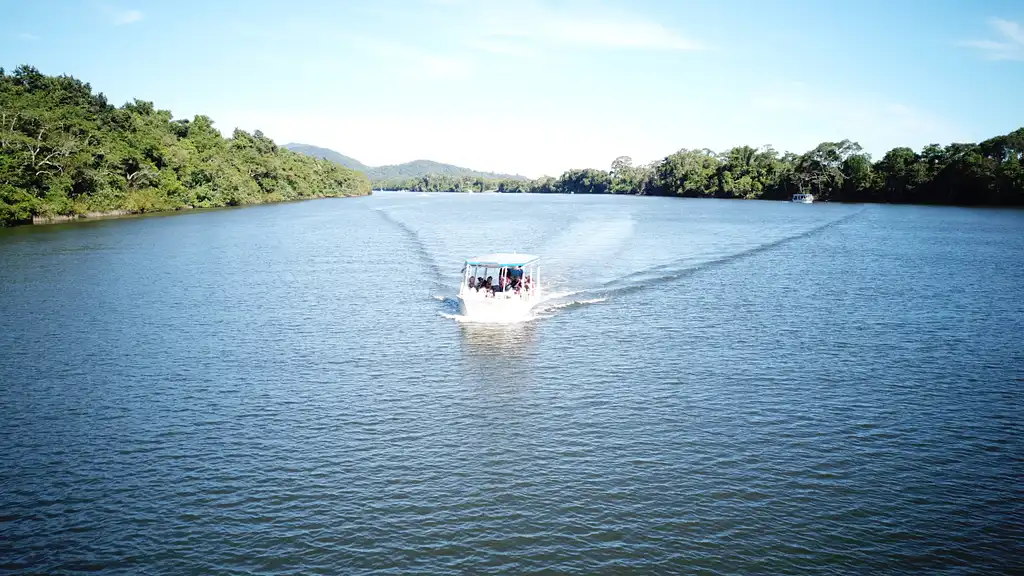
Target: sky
536,87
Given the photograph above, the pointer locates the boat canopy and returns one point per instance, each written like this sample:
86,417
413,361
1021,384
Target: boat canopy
502,260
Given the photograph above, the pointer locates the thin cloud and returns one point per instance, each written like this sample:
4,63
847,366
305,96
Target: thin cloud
127,17
499,46
435,65
1009,46
526,27
118,16
28,37
617,34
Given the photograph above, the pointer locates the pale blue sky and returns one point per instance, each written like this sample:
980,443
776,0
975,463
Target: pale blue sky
540,86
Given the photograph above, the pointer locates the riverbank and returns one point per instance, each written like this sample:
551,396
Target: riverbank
120,214
989,173
116,161
62,219
48,219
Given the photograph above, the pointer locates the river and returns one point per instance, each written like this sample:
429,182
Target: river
717,387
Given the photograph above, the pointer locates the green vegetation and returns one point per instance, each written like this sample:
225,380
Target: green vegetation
990,173
65,151
439,177
447,183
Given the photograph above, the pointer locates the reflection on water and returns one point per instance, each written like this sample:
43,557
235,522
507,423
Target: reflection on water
500,358
499,340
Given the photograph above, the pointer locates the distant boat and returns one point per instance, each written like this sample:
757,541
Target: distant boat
802,198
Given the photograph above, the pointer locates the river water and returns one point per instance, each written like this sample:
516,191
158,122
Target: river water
718,387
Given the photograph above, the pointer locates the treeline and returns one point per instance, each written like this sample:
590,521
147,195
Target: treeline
441,183
989,173
410,171
65,151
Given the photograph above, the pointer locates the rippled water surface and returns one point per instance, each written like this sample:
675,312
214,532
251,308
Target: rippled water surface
720,387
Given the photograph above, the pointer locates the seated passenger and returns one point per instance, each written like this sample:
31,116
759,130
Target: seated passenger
472,282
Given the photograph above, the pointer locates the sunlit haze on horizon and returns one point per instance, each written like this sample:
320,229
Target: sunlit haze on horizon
536,87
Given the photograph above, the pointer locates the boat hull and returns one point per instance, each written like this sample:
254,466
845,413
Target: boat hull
475,306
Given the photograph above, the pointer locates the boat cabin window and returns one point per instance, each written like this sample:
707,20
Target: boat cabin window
498,279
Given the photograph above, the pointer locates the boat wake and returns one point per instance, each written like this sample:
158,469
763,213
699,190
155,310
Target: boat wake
546,308
659,275
559,301
419,247
611,237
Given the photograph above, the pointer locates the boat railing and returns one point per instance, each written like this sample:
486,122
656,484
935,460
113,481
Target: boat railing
522,294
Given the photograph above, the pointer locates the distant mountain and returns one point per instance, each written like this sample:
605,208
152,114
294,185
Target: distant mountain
413,169
327,154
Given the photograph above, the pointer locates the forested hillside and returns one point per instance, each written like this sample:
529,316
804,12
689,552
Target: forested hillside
65,151
420,168
407,174
328,154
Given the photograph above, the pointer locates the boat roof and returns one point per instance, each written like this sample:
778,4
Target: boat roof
502,260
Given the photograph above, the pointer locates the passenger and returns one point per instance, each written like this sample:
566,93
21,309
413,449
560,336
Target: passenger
472,282
489,284
479,283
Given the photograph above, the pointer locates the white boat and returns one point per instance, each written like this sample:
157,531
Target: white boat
511,287
803,198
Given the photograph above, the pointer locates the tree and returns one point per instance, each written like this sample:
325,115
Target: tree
585,181
66,151
691,173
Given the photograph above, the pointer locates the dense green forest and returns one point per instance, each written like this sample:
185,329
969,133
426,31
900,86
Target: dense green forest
65,151
394,176
990,173
451,183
